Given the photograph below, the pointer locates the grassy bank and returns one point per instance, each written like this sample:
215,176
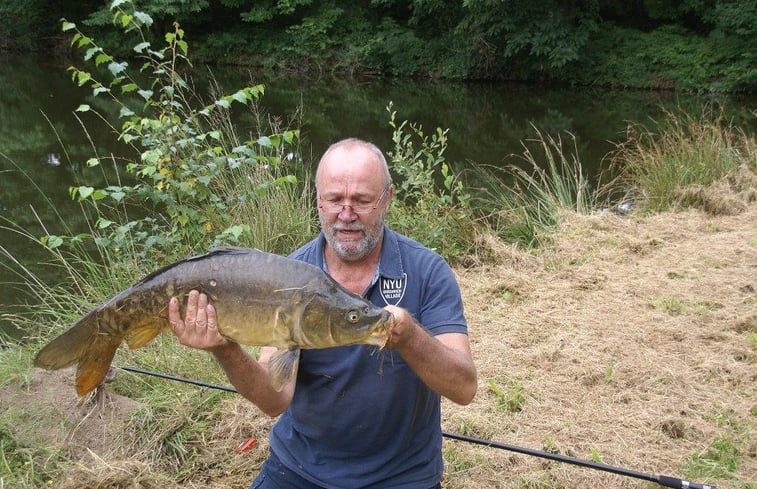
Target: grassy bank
611,321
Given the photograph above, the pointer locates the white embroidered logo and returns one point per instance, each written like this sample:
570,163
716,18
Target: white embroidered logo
393,289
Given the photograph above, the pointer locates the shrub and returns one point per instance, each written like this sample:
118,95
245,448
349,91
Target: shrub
431,203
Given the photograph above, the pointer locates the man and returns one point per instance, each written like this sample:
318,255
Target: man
354,418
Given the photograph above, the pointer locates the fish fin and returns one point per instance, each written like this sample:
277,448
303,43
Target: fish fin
69,346
94,364
281,367
82,343
138,335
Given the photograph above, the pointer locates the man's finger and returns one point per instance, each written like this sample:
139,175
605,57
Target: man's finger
174,316
190,318
212,320
202,316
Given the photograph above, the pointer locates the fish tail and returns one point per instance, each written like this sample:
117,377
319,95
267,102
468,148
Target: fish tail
83,344
94,364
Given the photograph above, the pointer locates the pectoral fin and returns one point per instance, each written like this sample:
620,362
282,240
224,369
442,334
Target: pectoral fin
140,334
281,367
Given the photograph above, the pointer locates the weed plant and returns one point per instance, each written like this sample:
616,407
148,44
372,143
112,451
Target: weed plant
432,204
523,204
656,165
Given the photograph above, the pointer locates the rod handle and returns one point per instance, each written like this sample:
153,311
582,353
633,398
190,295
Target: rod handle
677,483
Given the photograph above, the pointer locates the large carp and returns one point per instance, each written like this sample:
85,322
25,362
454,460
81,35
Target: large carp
260,299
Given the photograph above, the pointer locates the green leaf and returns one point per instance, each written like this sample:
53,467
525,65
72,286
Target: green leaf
90,52
145,94
92,162
85,192
240,96
102,58
126,20
83,108
143,17
103,223
83,41
83,77
116,68
52,241
264,141
141,46
125,112
129,87
67,26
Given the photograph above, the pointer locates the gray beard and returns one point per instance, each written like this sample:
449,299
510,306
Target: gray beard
364,247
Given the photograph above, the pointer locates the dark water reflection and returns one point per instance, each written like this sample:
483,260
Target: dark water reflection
487,123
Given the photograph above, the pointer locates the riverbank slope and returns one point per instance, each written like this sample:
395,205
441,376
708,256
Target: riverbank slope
630,340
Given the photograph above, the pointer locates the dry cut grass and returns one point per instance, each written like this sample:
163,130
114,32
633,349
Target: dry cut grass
630,341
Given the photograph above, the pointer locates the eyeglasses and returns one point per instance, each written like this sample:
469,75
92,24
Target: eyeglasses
338,205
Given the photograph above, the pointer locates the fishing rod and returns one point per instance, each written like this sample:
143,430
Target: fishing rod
662,480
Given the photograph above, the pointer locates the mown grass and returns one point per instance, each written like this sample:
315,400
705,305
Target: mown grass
519,206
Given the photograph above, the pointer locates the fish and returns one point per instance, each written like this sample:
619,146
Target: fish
261,299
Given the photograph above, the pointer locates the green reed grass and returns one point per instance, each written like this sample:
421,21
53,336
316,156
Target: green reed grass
524,202
657,163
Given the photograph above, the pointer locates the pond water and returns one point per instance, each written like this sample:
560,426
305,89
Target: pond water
43,144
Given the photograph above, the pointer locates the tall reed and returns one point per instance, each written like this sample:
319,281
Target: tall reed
523,203
657,164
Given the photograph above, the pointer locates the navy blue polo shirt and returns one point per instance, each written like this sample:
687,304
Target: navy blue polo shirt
360,417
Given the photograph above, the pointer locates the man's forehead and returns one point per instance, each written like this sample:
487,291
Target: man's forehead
350,164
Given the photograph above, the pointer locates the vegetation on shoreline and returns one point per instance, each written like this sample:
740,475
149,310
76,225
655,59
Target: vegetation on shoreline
186,182
685,45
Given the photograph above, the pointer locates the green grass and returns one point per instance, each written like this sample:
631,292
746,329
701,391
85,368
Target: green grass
657,165
511,398
523,203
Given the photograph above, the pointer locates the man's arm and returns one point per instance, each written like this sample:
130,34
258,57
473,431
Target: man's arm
199,329
443,362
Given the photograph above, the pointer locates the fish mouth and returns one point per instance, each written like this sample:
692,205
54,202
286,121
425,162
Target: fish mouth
382,331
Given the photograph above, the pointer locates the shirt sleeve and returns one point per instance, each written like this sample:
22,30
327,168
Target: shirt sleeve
441,309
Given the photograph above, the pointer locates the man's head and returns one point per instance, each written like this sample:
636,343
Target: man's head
354,191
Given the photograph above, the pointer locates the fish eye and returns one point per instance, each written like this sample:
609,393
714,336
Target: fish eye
353,316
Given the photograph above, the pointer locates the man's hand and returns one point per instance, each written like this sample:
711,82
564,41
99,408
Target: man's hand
403,329
199,328
444,362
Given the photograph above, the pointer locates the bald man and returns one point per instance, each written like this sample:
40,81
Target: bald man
352,418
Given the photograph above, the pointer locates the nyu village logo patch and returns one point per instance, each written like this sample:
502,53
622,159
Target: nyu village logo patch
393,289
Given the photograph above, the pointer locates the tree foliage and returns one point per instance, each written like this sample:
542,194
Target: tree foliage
648,43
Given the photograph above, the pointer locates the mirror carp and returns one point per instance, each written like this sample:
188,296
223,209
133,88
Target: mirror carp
261,299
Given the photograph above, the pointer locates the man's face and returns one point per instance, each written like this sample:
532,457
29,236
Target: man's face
352,179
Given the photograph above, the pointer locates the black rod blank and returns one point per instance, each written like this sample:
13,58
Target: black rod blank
663,480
